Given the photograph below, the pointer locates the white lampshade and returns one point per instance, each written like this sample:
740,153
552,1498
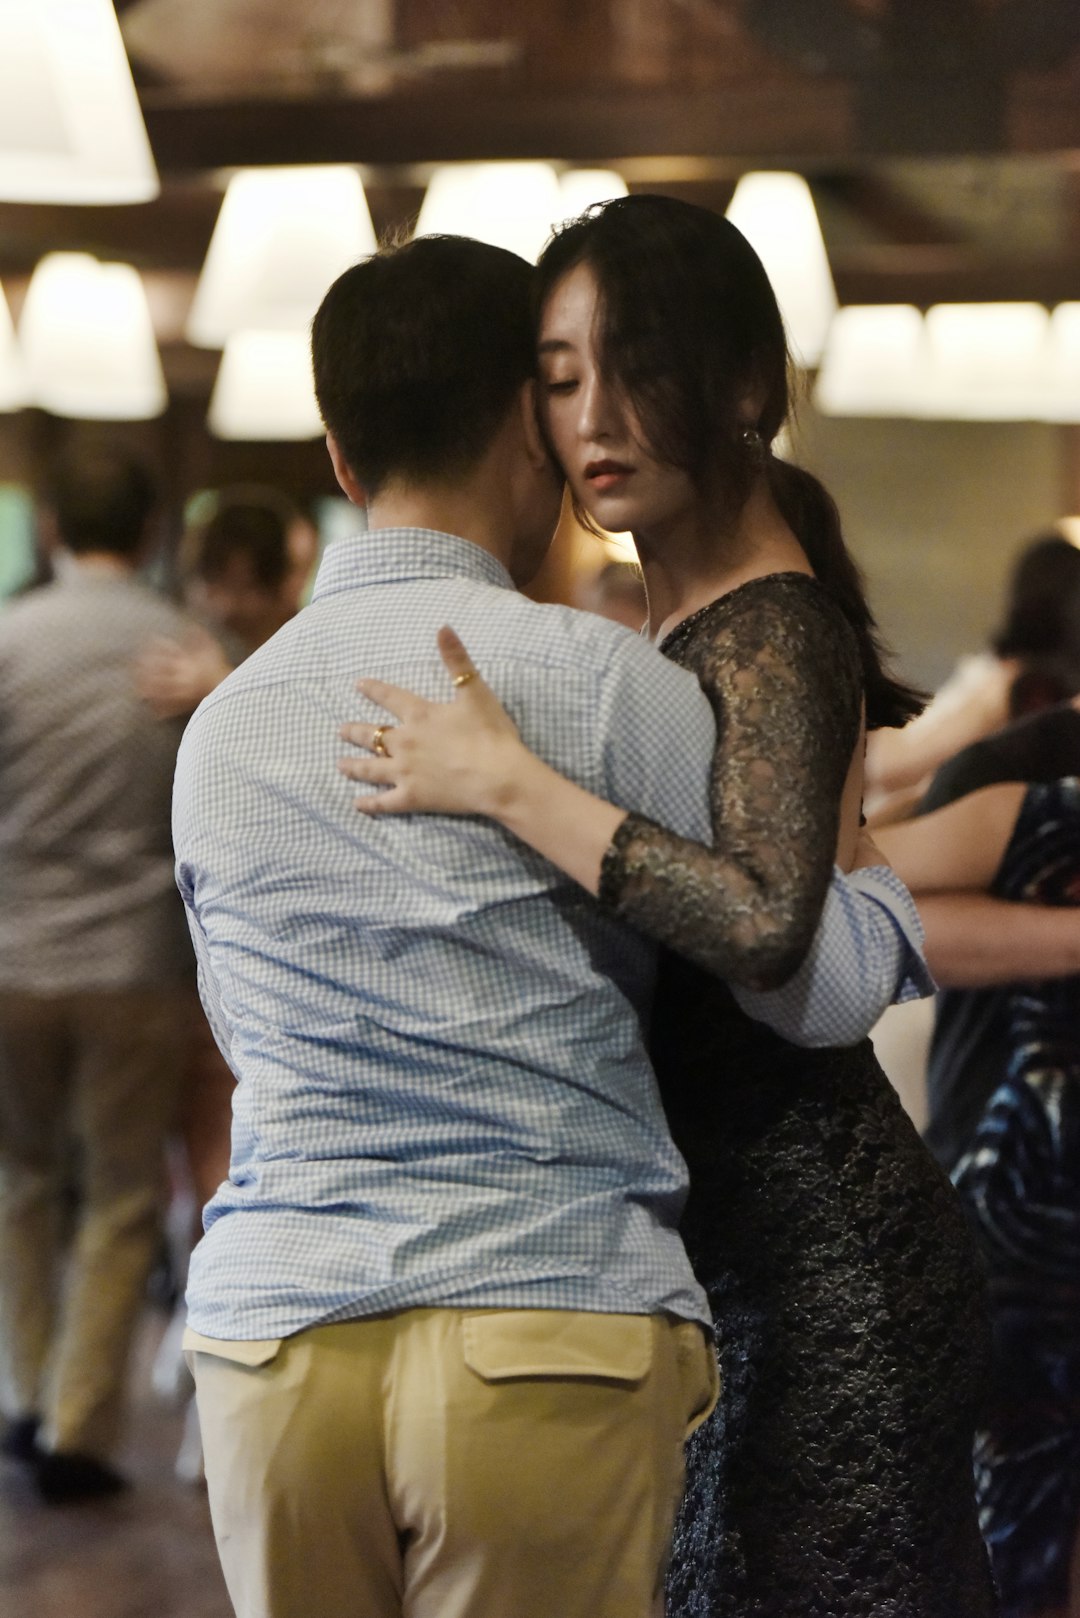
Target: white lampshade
988,361
87,341
582,188
264,389
512,205
282,236
70,125
776,214
1063,383
875,362
12,374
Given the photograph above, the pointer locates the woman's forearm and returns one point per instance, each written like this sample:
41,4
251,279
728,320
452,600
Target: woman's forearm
568,825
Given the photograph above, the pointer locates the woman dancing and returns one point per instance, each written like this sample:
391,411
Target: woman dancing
835,1477
1021,1183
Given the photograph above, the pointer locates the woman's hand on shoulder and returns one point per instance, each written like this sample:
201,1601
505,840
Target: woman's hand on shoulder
459,757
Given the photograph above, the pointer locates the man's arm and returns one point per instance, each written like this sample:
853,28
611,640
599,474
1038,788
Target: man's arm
974,941
866,956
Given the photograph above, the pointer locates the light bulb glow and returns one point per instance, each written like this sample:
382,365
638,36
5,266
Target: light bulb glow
776,214
71,129
875,362
264,388
580,189
511,205
283,235
88,343
988,362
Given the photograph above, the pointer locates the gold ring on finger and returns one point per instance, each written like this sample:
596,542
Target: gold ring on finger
378,741
463,679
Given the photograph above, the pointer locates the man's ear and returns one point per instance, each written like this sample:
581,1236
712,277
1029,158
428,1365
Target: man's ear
348,482
535,443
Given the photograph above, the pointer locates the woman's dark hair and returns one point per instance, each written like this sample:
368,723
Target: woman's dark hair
690,329
1042,610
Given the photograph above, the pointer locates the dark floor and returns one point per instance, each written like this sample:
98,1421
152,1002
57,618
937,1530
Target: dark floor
149,1554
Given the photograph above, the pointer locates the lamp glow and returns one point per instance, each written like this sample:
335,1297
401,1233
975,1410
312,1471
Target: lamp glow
70,125
583,188
1063,386
875,362
776,214
88,343
282,236
512,205
264,388
988,362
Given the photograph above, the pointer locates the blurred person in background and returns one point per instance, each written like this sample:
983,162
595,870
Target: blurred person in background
1020,673
980,955
1019,1175
244,571
93,956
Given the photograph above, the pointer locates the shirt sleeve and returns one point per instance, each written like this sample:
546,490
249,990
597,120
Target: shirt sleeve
208,990
867,954
186,883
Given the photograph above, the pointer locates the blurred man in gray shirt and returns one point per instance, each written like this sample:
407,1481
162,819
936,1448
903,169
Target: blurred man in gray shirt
93,953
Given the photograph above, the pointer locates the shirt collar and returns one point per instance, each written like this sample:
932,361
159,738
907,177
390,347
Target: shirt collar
402,555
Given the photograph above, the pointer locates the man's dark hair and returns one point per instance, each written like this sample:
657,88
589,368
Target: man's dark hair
418,353
250,524
102,501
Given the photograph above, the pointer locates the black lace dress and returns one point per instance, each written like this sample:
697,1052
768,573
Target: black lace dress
835,1477
1021,1182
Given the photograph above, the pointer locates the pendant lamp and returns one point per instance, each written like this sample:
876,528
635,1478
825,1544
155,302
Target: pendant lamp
264,388
776,214
512,205
282,236
875,362
87,341
70,125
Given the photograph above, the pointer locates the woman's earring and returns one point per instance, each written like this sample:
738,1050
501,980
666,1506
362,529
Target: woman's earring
754,445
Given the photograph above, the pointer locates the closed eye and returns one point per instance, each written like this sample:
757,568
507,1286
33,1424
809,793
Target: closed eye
564,385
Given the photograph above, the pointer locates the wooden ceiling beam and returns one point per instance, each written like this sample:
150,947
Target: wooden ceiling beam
742,123
456,125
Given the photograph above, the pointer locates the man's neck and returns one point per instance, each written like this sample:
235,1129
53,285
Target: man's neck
467,510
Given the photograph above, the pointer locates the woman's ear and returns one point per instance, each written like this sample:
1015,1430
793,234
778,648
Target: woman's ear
348,482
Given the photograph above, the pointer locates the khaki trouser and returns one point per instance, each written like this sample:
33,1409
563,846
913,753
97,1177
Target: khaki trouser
87,1092
444,1463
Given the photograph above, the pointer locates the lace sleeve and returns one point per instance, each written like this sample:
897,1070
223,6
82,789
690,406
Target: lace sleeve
780,666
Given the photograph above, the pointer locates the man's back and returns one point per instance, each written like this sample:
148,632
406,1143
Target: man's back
444,1096
87,772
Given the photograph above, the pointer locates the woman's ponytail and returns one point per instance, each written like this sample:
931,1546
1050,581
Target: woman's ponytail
811,513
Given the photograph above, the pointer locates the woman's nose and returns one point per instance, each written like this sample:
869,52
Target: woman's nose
597,419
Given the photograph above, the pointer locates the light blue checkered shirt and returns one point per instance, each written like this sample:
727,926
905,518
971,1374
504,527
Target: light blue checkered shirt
444,1097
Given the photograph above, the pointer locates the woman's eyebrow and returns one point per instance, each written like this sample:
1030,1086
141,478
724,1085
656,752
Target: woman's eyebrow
552,345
